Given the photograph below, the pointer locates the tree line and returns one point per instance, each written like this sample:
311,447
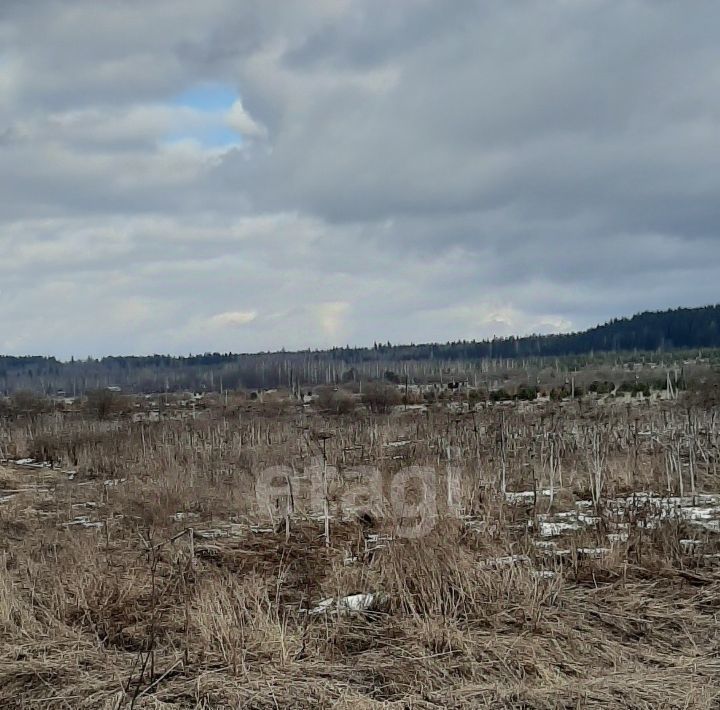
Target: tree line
652,331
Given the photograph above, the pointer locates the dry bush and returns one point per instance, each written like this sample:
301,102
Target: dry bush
335,400
380,398
105,403
29,404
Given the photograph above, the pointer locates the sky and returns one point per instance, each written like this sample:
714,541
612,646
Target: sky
245,175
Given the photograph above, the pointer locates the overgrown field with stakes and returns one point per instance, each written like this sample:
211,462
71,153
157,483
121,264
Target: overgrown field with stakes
280,555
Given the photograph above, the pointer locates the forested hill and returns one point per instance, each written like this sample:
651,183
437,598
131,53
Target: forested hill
681,328
663,330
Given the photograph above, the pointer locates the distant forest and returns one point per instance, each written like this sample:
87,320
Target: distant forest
677,329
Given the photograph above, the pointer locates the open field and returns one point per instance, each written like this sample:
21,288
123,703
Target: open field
359,354
522,555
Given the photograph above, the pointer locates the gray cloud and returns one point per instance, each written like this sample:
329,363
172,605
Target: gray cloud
390,171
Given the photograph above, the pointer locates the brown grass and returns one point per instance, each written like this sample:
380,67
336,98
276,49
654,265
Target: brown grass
139,612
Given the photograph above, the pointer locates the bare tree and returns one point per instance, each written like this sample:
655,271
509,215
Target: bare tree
597,457
104,403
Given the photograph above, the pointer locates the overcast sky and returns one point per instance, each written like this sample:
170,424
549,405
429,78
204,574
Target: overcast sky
183,176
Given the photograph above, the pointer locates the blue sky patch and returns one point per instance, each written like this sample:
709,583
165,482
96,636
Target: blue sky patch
214,101
211,98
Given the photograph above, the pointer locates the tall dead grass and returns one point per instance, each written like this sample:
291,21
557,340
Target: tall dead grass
183,595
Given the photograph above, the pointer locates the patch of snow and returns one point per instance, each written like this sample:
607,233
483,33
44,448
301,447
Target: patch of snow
711,525
618,526
179,517
85,522
349,604
517,497
375,541
593,552
261,531
509,561
553,529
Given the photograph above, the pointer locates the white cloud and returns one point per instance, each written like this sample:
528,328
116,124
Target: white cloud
232,319
239,119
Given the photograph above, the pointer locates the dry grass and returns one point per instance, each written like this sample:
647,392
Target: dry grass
138,612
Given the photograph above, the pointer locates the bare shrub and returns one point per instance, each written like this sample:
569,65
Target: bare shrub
104,403
29,404
335,400
380,398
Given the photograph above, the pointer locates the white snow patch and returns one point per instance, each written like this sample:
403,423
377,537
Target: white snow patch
84,522
519,497
349,604
553,529
508,561
593,552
